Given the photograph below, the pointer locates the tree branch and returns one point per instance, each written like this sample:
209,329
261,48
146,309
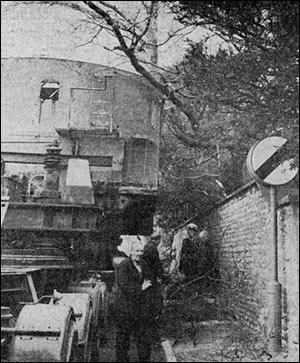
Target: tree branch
195,177
130,53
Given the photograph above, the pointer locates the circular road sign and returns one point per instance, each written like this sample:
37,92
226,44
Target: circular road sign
266,163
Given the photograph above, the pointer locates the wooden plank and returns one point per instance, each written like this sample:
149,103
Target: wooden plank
51,229
30,158
50,206
32,287
16,289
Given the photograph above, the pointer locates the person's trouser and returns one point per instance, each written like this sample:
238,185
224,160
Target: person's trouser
126,328
143,340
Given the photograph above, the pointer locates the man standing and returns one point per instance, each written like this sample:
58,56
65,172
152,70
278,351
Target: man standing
133,305
151,257
191,254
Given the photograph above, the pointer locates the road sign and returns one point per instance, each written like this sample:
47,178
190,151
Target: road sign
266,162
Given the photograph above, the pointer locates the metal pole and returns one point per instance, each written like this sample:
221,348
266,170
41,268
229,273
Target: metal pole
274,291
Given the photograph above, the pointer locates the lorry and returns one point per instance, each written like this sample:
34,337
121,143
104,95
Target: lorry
79,170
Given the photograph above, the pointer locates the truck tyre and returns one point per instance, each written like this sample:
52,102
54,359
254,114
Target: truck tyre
83,310
44,333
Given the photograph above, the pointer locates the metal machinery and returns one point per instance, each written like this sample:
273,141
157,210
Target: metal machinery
64,210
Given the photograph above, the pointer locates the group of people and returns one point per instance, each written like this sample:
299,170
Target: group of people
137,299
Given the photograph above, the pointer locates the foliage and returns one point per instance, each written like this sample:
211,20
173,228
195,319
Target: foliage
187,188
245,91
263,23
261,73
217,104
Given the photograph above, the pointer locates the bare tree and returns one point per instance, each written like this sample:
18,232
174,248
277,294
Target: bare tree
137,39
133,36
218,104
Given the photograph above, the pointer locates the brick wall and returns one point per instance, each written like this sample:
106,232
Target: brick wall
241,226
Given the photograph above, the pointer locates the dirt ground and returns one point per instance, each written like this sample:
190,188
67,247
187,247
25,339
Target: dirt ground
107,352
199,331
219,341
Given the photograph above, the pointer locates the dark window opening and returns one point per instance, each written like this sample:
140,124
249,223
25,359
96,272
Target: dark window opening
49,91
137,217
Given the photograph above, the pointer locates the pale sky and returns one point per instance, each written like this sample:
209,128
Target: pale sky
34,31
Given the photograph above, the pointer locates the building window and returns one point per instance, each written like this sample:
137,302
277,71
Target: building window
49,91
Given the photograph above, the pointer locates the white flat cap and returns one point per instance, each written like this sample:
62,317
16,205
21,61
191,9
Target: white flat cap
192,226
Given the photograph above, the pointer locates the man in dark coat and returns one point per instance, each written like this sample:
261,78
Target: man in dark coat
192,254
151,257
134,305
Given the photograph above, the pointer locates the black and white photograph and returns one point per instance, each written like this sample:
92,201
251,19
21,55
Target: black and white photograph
149,181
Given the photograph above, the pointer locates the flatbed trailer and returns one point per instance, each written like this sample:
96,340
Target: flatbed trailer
78,171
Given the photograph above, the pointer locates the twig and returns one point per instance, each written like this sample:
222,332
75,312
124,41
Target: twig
185,223
189,283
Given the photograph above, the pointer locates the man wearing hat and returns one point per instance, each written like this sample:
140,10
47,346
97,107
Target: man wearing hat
190,259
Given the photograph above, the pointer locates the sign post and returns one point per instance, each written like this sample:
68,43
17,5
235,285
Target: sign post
267,165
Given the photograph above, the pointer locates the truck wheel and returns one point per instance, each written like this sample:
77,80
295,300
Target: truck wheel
87,348
72,345
44,333
99,296
83,310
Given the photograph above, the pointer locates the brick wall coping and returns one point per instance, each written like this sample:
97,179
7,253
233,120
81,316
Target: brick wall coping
292,197
236,193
